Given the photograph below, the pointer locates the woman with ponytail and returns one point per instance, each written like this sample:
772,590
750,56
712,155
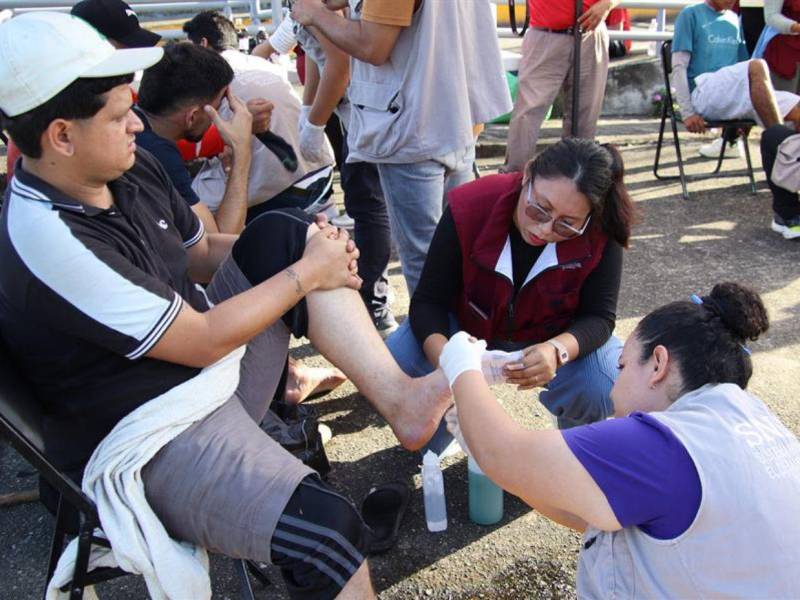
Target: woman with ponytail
692,492
531,262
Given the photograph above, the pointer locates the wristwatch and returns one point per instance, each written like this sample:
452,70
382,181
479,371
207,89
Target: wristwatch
561,352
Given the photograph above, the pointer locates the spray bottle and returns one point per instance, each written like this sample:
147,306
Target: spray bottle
433,492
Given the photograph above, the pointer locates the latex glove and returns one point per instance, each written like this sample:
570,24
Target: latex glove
460,355
312,142
451,418
305,110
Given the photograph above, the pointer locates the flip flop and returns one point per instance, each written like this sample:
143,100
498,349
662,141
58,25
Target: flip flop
383,509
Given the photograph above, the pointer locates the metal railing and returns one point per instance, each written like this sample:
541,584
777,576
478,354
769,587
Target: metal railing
152,11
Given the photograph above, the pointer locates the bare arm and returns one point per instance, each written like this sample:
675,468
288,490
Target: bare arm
281,41
199,339
333,82
312,82
236,133
207,255
432,347
368,42
537,466
596,14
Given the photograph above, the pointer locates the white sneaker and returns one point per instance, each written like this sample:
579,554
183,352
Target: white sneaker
344,221
711,150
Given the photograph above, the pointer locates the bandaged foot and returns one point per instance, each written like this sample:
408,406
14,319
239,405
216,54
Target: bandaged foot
493,361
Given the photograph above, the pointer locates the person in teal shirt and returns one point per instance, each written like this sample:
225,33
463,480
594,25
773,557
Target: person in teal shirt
713,76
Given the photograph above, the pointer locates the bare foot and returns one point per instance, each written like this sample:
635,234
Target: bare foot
423,408
304,381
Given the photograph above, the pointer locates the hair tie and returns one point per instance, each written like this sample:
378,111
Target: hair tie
713,306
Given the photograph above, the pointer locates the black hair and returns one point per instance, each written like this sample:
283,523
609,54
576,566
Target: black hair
218,30
188,74
82,99
707,341
598,173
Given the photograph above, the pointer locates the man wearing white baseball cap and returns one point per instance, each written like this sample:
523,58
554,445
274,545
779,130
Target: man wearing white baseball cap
148,379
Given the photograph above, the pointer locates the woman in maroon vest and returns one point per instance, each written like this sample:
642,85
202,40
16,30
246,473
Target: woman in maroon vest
531,261
783,51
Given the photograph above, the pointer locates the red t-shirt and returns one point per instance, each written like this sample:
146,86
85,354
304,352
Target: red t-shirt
555,14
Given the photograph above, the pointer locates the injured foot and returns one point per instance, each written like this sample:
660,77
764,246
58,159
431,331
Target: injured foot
303,381
423,408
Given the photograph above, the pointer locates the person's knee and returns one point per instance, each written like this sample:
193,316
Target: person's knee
271,242
320,542
773,136
580,393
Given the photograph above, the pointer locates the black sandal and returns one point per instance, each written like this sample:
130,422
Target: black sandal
383,509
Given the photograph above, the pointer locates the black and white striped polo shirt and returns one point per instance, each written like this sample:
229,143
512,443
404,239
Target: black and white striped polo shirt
85,293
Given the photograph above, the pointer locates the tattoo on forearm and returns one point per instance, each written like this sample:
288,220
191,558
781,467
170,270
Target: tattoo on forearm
292,274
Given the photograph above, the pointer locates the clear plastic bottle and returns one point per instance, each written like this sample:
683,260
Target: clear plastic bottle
433,492
485,496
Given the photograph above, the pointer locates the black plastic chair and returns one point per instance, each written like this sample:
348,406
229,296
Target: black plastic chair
20,423
731,129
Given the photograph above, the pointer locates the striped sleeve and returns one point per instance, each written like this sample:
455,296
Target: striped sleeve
84,287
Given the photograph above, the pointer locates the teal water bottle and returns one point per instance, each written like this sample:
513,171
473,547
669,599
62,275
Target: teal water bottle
485,496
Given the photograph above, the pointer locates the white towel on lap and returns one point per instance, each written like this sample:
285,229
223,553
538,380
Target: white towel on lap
113,480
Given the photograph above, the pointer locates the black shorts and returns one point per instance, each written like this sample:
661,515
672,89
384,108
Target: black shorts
320,541
270,243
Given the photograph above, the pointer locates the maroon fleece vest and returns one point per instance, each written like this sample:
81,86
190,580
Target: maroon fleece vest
487,307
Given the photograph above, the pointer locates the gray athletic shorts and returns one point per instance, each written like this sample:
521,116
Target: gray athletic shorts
226,485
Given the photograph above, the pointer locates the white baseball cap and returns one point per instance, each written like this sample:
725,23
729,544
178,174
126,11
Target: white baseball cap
41,53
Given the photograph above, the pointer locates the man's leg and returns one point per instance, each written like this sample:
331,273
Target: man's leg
225,485
593,77
546,59
338,325
413,195
762,93
785,204
340,328
364,202
263,249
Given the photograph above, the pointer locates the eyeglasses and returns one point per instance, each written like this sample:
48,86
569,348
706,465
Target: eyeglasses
541,215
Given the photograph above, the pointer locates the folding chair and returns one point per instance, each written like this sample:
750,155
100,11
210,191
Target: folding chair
20,423
730,131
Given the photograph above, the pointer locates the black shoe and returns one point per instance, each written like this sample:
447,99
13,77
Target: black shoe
385,323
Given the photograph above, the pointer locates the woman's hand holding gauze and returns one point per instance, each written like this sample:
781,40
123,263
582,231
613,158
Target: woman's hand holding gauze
461,354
